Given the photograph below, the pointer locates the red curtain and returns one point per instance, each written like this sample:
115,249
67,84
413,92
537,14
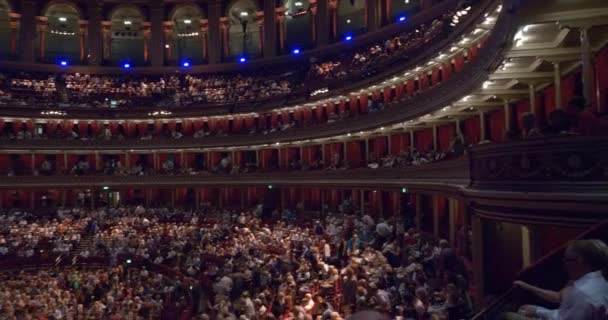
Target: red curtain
397,144
497,125
472,130
601,79
380,147
399,90
424,139
521,107
422,81
353,151
444,136
435,76
388,95
549,100
354,106
363,103
568,89
458,62
446,69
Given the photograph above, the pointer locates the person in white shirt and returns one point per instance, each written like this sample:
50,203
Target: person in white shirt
586,296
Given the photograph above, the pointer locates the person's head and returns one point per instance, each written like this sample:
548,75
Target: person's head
577,104
559,121
528,121
584,256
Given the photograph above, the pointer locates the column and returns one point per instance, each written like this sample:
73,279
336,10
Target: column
557,81
14,25
412,141
280,12
107,39
478,265
33,159
42,26
225,29
322,23
214,9
482,126
435,144
530,245
333,10
147,30
259,21
362,201
436,216
270,28
418,217
532,97
157,17
458,129
95,56
345,153
313,10
507,110
82,37
385,12
204,31
587,65
323,155
168,35
28,30
370,15
453,207
366,151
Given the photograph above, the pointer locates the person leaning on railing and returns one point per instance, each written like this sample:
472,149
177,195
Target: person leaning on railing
585,296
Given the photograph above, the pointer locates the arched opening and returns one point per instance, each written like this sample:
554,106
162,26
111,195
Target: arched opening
5,30
350,18
188,38
298,25
62,37
243,32
127,36
403,8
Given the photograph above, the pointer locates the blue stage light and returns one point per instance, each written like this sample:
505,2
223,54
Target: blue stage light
126,65
242,59
402,18
296,51
186,64
63,63
348,38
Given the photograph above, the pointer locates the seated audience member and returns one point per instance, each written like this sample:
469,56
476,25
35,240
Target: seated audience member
586,122
530,131
584,297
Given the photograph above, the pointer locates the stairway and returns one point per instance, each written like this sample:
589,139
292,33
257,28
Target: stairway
86,243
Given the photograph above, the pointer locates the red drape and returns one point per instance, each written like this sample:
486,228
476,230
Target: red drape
472,130
601,80
568,89
446,69
353,151
380,147
444,136
397,143
410,88
424,139
399,90
435,76
497,125
363,103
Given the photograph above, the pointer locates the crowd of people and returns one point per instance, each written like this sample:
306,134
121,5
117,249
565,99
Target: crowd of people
248,264
89,293
84,90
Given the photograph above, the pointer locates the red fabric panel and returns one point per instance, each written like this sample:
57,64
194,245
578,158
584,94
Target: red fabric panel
422,81
444,136
319,112
472,130
601,79
568,89
237,124
363,103
410,88
354,154
435,76
424,139
356,198
458,63
446,69
552,237
354,105
307,114
380,147
521,107
387,95
473,52
397,143
497,125
549,100
342,105
274,118
399,90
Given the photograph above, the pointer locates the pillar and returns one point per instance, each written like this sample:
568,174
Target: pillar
436,216
214,10
107,39
412,141
333,11
371,15
82,37
204,34
322,23
530,245
28,30
259,22
587,65
15,19
95,55
453,208
280,14
532,97
478,265
270,28
225,31
482,126
507,110
42,27
147,30
385,12
418,217
366,151
557,80
168,39
362,201
435,144
157,43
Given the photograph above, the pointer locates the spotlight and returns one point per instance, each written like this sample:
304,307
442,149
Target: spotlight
402,18
63,63
296,51
348,37
186,64
242,59
126,65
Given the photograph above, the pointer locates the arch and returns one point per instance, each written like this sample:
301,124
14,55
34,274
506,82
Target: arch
62,36
244,35
351,17
127,35
298,25
187,39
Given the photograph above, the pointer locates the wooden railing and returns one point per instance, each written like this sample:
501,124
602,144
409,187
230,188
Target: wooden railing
546,273
385,70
